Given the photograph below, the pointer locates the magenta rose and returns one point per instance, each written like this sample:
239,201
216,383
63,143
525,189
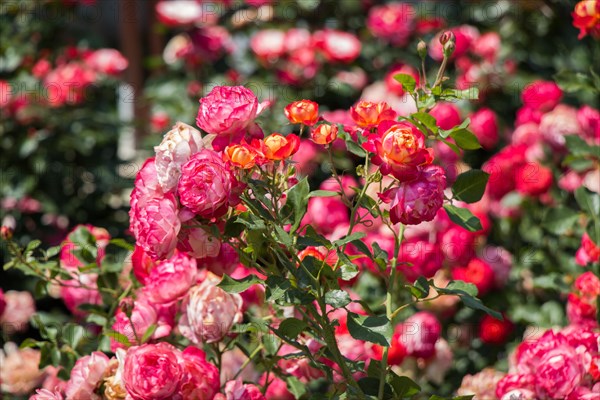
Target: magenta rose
198,243
200,378
224,262
484,125
237,390
419,200
153,372
419,258
515,382
541,95
228,111
171,279
85,376
561,370
394,22
206,185
447,115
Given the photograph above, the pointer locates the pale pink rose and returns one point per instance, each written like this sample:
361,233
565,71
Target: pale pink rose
208,312
394,22
19,308
179,47
419,200
52,382
541,95
237,390
83,289
561,121
570,181
153,372
184,12
85,376
591,180
176,148
206,184
200,378
142,316
19,371
487,46
348,182
297,39
440,364
228,111
589,119
482,384
337,46
68,83
356,78
306,159
198,243
153,217
484,125
419,334
107,61
519,394
171,279
45,394
501,262
269,44
516,384
528,133
378,91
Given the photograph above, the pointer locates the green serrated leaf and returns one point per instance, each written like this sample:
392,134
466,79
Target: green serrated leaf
297,197
296,387
403,386
465,139
463,217
470,186
231,285
408,82
374,329
428,120
323,193
291,328
349,238
337,298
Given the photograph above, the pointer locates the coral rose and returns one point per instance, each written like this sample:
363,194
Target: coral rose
367,114
302,112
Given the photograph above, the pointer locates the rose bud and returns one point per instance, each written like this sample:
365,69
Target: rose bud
324,134
446,37
422,49
302,112
367,114
420,332
279,147
241,156
484,125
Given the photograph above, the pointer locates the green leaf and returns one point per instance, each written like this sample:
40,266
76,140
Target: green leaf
349,238
323,193
476,304
72,334
444,133
463,217
348,269
34,244
296,387
271,344
122,244
422,287
403,386
465,139
588,201
149,332
374,329
370,386
297,197
291,328
355,149
577,145
459,287
276,287
337,298
428,120
470,186
559,220
408,82
231,285
119,337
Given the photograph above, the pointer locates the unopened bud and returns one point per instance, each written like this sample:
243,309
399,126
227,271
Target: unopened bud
449,48
6,232
422,49
446,37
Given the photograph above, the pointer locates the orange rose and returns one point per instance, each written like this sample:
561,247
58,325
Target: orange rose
302,112
367,114
241,156
324,134
586,18
279,147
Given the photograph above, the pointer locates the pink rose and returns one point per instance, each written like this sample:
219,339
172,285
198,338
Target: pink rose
513,382
67,84
211,42
85,376
142,316
420,332
268,44
153,217
478,273
326,213
419,200
176,148
502,168
142,264
533,179
153,372
277,388
81,290
464,35
484,125
501,262
228,111
589,119
198,243
561,370
419,258
200,378
527,114
337,46
183,12
224,262
68,259
19,370
236,390
208,312
171,279
541,95
300,367
45,394
2,302
589,252
558,123
487,46
447,115
206,185
394,22
19,308
107,61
